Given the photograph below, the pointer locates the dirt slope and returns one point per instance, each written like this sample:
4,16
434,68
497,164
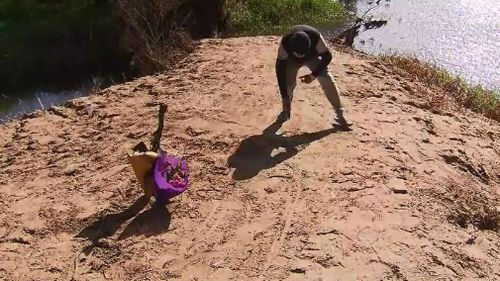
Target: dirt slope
409,194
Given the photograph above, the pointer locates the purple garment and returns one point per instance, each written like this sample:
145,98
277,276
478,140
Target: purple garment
165,188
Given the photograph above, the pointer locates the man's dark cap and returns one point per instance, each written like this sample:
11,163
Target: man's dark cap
300,42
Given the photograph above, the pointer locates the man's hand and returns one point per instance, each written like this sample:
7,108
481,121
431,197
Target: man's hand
307,78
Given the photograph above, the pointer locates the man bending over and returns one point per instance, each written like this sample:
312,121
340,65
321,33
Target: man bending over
304,45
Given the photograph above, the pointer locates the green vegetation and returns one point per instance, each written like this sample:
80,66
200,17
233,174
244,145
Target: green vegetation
58,43
474,97
54,42
252,17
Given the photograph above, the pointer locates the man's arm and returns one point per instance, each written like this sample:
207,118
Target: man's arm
281,63
325,54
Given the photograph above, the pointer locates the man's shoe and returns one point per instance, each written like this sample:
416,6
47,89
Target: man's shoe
343,122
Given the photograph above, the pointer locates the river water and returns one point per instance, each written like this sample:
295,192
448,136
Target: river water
11,107
462,36
14,105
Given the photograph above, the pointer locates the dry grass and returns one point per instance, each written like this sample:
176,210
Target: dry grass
476,98
150,32
482,217
469,206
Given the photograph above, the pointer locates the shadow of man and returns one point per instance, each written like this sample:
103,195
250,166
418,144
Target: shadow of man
255,153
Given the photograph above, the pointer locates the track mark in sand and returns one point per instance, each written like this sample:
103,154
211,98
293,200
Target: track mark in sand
290,207
394,268
207,227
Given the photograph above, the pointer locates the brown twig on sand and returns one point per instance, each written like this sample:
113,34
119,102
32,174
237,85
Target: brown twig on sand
155,141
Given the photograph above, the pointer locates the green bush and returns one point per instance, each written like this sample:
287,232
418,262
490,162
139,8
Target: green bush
250,17
58,43
54,42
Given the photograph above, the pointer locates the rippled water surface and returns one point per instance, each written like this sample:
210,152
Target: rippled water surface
462,36
12,107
